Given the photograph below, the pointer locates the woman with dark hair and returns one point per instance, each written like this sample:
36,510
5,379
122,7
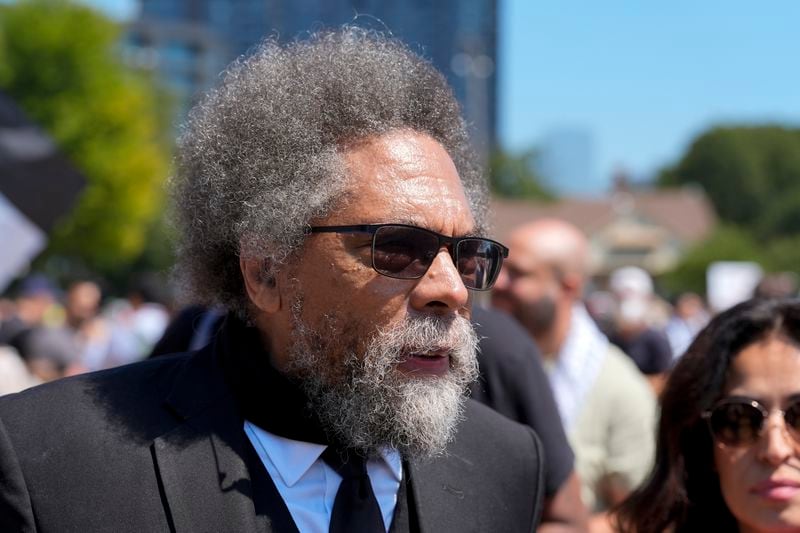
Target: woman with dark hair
728,448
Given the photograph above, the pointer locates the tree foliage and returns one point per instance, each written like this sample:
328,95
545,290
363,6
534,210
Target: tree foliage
732,243
512,176
727,243
751,174
58,61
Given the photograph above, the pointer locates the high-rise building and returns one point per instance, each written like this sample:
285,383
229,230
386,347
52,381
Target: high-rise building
188,42
565,161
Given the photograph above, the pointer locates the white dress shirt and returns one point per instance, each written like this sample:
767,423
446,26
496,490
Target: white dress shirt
573,373
308,485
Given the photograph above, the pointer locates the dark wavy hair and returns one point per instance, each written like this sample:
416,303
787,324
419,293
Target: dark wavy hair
682,492
261,155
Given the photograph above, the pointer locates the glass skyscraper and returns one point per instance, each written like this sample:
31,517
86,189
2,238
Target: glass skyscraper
189,41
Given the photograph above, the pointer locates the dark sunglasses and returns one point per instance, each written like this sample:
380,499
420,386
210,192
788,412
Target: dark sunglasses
740,421
406,252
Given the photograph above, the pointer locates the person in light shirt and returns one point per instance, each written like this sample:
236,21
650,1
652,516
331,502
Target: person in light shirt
606,405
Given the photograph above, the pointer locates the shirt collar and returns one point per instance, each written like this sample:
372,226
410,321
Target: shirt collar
580,345
394,462
293,458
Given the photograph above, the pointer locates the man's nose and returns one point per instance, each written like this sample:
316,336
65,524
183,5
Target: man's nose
441,289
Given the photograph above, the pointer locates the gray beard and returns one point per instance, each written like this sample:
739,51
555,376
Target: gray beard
364,402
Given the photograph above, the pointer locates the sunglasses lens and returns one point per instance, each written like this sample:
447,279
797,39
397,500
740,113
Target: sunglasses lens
792,417
736,423
407,253
403,252
479,262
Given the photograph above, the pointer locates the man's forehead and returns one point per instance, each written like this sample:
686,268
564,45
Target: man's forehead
401,153
406,177
528,254
548,241
522,261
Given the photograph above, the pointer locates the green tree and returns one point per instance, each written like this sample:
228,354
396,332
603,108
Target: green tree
512,176
751,174
59,61
727,243
783,254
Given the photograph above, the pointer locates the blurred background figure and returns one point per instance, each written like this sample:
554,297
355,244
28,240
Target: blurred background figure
689,316
639,317
602,307
7,309
137,322
14,374
777,285
606,405
635,285
33,306
91,332
49,352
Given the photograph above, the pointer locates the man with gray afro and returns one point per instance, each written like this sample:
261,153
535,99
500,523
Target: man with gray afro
328,201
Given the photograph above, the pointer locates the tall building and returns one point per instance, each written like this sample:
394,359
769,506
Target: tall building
565,161
188,42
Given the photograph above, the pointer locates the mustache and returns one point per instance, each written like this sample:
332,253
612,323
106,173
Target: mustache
353,384
428,333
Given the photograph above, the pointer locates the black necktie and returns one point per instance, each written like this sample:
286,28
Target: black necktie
355,508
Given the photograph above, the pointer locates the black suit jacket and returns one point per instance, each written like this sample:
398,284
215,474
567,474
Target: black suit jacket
158,446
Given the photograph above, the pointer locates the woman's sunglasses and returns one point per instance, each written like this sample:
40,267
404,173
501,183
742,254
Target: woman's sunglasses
740,421
406,252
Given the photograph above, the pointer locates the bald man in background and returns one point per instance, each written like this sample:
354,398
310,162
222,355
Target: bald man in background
606,405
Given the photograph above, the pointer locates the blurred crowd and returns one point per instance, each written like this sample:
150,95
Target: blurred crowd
607,346
48,332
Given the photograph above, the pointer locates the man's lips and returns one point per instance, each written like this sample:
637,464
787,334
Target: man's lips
436,363
777,489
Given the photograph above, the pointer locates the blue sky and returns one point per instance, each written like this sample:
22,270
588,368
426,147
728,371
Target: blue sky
645,77
642,78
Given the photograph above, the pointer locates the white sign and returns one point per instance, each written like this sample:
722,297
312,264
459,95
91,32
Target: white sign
731,282
20,241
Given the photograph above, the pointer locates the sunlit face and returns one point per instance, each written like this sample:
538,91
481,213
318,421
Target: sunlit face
527,288
761,482
402,177
83,300
385,361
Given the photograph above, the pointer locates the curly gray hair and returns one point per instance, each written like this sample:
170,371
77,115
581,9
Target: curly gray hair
260,156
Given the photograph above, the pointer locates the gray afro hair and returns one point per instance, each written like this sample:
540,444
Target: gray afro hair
260,156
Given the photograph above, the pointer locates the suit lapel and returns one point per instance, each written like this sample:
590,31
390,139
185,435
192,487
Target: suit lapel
204,480
442,493
450,492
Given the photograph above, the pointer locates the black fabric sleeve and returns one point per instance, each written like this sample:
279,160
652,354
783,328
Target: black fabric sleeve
16,513
650,350
541,483
512,382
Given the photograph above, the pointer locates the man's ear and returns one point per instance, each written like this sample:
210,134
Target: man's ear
572,283
261,284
